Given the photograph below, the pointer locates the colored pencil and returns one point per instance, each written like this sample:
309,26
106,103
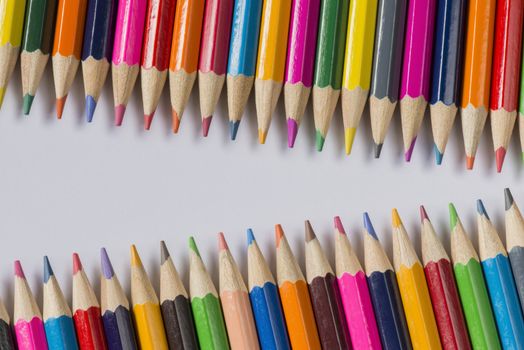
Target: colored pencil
183,63
6,338
58,320
235,301
37,43
416,69
155,54
214,47
507,49
11,28
413,289
387,65
174,303
300,62
446,71
472,288
97,50
86,310
67,47
325,296
127,49
442,288
146,310
265,301
116,316
477,74
515,242
357,65
27,319
271,57
500,283
209,320
242,59
294,294
384,292
329,64
354,293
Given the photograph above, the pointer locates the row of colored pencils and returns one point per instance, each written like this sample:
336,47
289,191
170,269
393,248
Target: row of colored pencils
471,300
451,54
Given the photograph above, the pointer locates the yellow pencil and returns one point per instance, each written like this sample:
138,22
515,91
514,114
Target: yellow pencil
413,290
271,60
357,64
11,27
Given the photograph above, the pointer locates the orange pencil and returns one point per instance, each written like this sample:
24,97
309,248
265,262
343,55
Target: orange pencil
69,34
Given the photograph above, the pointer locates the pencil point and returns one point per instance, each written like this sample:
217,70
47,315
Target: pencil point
27,103
292,130
135,258
148,119
193,246
279,233
309,233
164,253
469,162
2,94
77,264
500,154
338,225
120,110
349,137
222,244
481,210
107,267
438,155
320,141
453,216
262,135
48,270
206,123
233,129
60,103
378,150
369,226
90,108
175,121
409,151
423,214
397,222
508,198
250,237
18,269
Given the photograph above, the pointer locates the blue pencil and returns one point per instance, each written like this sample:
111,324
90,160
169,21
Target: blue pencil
515,242
97,49
447,64
242,58
384,292
500,283
58,321
265,301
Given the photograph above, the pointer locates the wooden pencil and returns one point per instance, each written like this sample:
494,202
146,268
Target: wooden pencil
6,338
116,316
58,320
27,319
387,65
265,301
413,289
329,65
442,288
209,320
155,54
67,47
235,301
146,309
11,28
127,50
183,63
86,311
175,306
271,57
300,62
507,47
477,74
354,293
214,47
37,43
325,296
472,288
515,242
294,294
500,283
357,65
384,292
242,60
97,50
446,71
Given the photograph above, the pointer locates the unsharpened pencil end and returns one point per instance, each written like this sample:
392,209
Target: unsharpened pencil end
206,123
309,233
222,244
48,270
27,103
508,198
338,225
175,121
369,226
395,218
135,258
148,119
279,233
60,103
481,209
500,154
349,138
164,252
2,95
107,267
438,155
262,135
292,131
423,214
120,110
77,264
233,129
378,150
453,216
409,151
18,269
319,140
90,108
193,246
470,161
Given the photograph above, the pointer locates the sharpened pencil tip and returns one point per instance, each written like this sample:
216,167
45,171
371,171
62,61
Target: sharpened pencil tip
279,233
378,150
107,267
120,110
319,141
222,244
206,123
349,138
292,131
77,264
135,258
470,161
60,103
338,225
395,218
2,95
233,129
90,108
453,216
508,198
309,233
27,103
438,155
164,253
193,246
19,271
262,135
481,209
423,214
500,154
369,226
250,237
148,119
409,151
175,121
48,270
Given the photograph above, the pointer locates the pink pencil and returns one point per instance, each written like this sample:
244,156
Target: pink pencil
29,327
416,70
355,294
127,49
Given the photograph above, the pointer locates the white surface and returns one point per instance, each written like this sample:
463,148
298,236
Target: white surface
70,186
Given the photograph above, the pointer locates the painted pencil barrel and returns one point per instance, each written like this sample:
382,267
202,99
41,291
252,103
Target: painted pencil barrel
209,323
30,335
6,338
239,319
516,256
129,31
98,36
89,328
69,29
60,333
119,330
178,322
149,326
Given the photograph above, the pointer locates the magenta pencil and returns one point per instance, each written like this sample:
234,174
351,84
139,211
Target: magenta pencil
300,62
354,293
416,71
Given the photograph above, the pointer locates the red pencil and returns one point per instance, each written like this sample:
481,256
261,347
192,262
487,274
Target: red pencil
505,74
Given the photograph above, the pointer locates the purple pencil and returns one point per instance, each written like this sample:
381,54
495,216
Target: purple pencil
416,70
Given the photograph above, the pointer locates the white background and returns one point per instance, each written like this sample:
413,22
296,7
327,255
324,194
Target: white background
67,186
